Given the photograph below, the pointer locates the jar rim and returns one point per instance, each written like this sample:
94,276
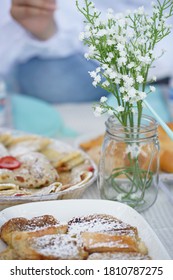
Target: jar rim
113,126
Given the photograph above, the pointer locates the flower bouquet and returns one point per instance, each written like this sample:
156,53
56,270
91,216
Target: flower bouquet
123,45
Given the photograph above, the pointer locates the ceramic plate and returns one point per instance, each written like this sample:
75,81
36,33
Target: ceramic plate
64,210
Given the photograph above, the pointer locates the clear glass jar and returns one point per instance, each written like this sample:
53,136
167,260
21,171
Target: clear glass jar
129,163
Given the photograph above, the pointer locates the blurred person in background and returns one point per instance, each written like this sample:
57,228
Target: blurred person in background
41,53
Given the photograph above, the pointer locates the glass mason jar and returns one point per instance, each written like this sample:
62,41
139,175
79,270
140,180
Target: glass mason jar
129,163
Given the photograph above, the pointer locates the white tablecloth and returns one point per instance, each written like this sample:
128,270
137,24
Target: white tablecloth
160,216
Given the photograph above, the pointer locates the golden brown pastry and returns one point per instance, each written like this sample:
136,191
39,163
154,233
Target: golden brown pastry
100,223
49,247
37,226
166,150
103,242
100,235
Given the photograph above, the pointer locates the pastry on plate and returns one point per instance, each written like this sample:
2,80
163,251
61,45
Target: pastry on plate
37,226
96,236
49,247
166,150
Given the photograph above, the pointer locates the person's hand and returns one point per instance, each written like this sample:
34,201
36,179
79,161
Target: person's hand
36,16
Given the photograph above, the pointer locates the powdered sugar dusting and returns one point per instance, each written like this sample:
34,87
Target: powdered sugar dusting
37,223
96,223
60,246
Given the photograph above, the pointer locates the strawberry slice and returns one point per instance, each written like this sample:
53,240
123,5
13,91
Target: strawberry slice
9,162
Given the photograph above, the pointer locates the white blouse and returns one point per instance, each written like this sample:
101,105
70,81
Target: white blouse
18,45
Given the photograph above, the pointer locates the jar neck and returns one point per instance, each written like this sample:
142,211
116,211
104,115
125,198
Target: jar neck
147,128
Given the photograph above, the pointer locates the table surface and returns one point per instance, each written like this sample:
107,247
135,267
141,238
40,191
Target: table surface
160,216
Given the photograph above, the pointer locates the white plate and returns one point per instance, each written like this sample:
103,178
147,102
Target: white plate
64,210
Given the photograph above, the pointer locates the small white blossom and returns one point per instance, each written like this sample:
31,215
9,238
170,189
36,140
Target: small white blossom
141,11
101,33
139,79
120,196
120,47
98,69
108,59
103,99
131,65
110,42
110,112
152,89
87,56
81,36
122,89
120,109
98,111
105,84
142,95
121,61
154,78
134,196
126,98
132,92
134,150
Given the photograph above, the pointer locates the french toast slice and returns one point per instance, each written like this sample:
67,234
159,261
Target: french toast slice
48,247
37,226
118,256
9,254
103,242
100,223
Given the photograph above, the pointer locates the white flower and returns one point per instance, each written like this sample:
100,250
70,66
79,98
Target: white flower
117,81
126,98
120,109
110,42
113,75
120,196
152,89
122,89
110,112
81,36
87,56
134,150
123,54
131,65
87,27
98,111
108,59
121,61
139,79
120,47
134,196
93,74
142,95
103,99
105,84
97,80
92,50
98,69
154,78
101,33
140,10
132,92
128,81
